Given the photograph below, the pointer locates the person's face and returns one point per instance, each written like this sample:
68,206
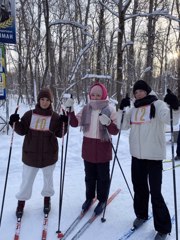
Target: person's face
139,94
96,96
44,103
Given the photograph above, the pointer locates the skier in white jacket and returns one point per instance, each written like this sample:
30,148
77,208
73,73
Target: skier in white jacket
146,120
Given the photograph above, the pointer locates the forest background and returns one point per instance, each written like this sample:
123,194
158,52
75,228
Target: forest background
67,44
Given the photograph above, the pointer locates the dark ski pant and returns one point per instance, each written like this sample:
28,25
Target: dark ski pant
178,145
97,179
147,174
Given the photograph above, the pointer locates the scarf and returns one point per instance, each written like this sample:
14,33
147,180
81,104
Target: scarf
103,106
148,100
43,112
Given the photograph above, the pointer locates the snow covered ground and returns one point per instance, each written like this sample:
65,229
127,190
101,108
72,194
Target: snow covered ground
119,214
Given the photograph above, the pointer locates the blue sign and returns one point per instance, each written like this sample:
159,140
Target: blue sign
7,21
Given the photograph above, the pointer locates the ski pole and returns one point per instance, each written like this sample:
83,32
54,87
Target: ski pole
115,158
174,173
115,152
115,155
62,176
8,165
112,171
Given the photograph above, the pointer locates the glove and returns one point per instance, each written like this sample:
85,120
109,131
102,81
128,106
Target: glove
171,100
14,118
69,104
125,102
64,118
104,119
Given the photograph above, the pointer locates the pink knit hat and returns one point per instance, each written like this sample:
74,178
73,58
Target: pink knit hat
98,88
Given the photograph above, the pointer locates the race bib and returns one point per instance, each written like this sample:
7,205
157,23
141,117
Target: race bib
40,123
141,115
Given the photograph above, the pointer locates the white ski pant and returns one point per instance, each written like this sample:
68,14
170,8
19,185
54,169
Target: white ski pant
28,177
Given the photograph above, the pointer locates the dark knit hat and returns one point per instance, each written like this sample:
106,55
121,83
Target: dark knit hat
140,84
45,92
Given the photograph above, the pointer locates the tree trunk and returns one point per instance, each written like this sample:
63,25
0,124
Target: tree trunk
150,44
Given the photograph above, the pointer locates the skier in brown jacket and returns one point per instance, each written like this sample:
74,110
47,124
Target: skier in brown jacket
41,127
97,120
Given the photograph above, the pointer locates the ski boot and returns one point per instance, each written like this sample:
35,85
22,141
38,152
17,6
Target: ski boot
87,204
47,205
138,222
20,209
99,208
160,236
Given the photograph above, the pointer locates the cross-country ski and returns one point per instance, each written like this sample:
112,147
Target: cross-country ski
132,230
18,229
76,222
45,227
93,217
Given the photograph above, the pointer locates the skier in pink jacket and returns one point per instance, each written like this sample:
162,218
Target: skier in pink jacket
97,120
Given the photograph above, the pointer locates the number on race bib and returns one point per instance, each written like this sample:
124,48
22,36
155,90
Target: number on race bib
140,115
40,123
